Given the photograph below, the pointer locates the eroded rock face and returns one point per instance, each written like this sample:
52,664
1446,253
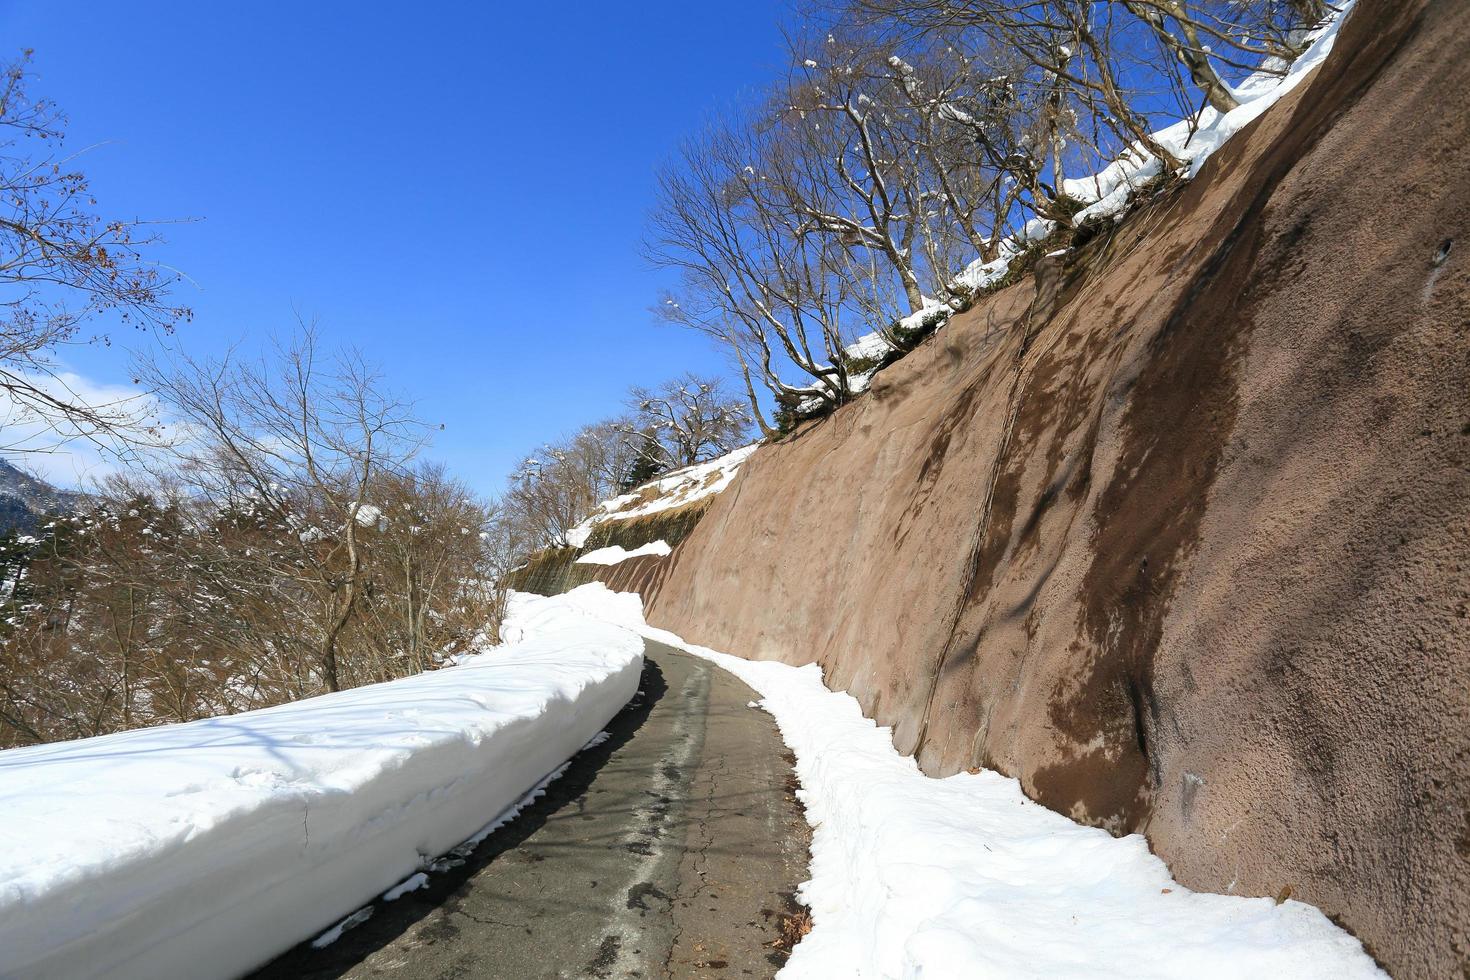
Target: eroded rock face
1179,534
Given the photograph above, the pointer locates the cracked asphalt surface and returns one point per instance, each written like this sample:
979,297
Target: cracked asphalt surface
673,849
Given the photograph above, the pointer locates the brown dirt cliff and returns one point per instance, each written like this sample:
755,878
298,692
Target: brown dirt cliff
1178,533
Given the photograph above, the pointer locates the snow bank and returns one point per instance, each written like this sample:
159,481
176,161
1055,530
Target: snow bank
202,849
458,855
667,492
614,554
529,616
966,877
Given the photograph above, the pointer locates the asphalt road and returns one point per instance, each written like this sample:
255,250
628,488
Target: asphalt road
671,850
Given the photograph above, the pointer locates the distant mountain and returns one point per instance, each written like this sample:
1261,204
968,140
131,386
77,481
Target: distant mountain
25,498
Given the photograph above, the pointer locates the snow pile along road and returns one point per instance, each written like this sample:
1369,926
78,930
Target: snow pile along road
203,849
966,877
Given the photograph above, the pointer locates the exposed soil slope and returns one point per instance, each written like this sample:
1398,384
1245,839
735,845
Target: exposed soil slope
1178,533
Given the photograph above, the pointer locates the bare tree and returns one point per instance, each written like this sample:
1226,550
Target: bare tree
684,421
1209,41
433,584
302,443
160,604
910,137
558,486
756,273
62,266
854,175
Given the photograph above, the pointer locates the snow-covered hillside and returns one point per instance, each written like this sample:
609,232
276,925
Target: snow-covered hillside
677,489
202,849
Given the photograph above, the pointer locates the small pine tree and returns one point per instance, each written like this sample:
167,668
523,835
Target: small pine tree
647,464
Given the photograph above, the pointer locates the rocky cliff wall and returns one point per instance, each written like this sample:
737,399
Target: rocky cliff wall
1178,533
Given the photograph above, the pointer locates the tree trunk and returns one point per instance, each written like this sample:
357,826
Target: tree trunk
755,408
1190,51
328,654
911,290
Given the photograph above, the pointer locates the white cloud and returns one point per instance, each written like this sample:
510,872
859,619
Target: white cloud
60,453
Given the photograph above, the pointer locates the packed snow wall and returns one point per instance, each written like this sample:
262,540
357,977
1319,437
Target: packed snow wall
203,849
1178,532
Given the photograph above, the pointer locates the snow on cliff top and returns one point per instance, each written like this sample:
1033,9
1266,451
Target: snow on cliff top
667,492
966,877
1193,141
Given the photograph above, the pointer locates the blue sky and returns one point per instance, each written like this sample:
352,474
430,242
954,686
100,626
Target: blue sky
457,189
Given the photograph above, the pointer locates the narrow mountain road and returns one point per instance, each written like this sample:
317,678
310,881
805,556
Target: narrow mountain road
670,850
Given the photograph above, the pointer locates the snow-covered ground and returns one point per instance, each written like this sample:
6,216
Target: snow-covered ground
667,492
965,877
614,554
199,850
